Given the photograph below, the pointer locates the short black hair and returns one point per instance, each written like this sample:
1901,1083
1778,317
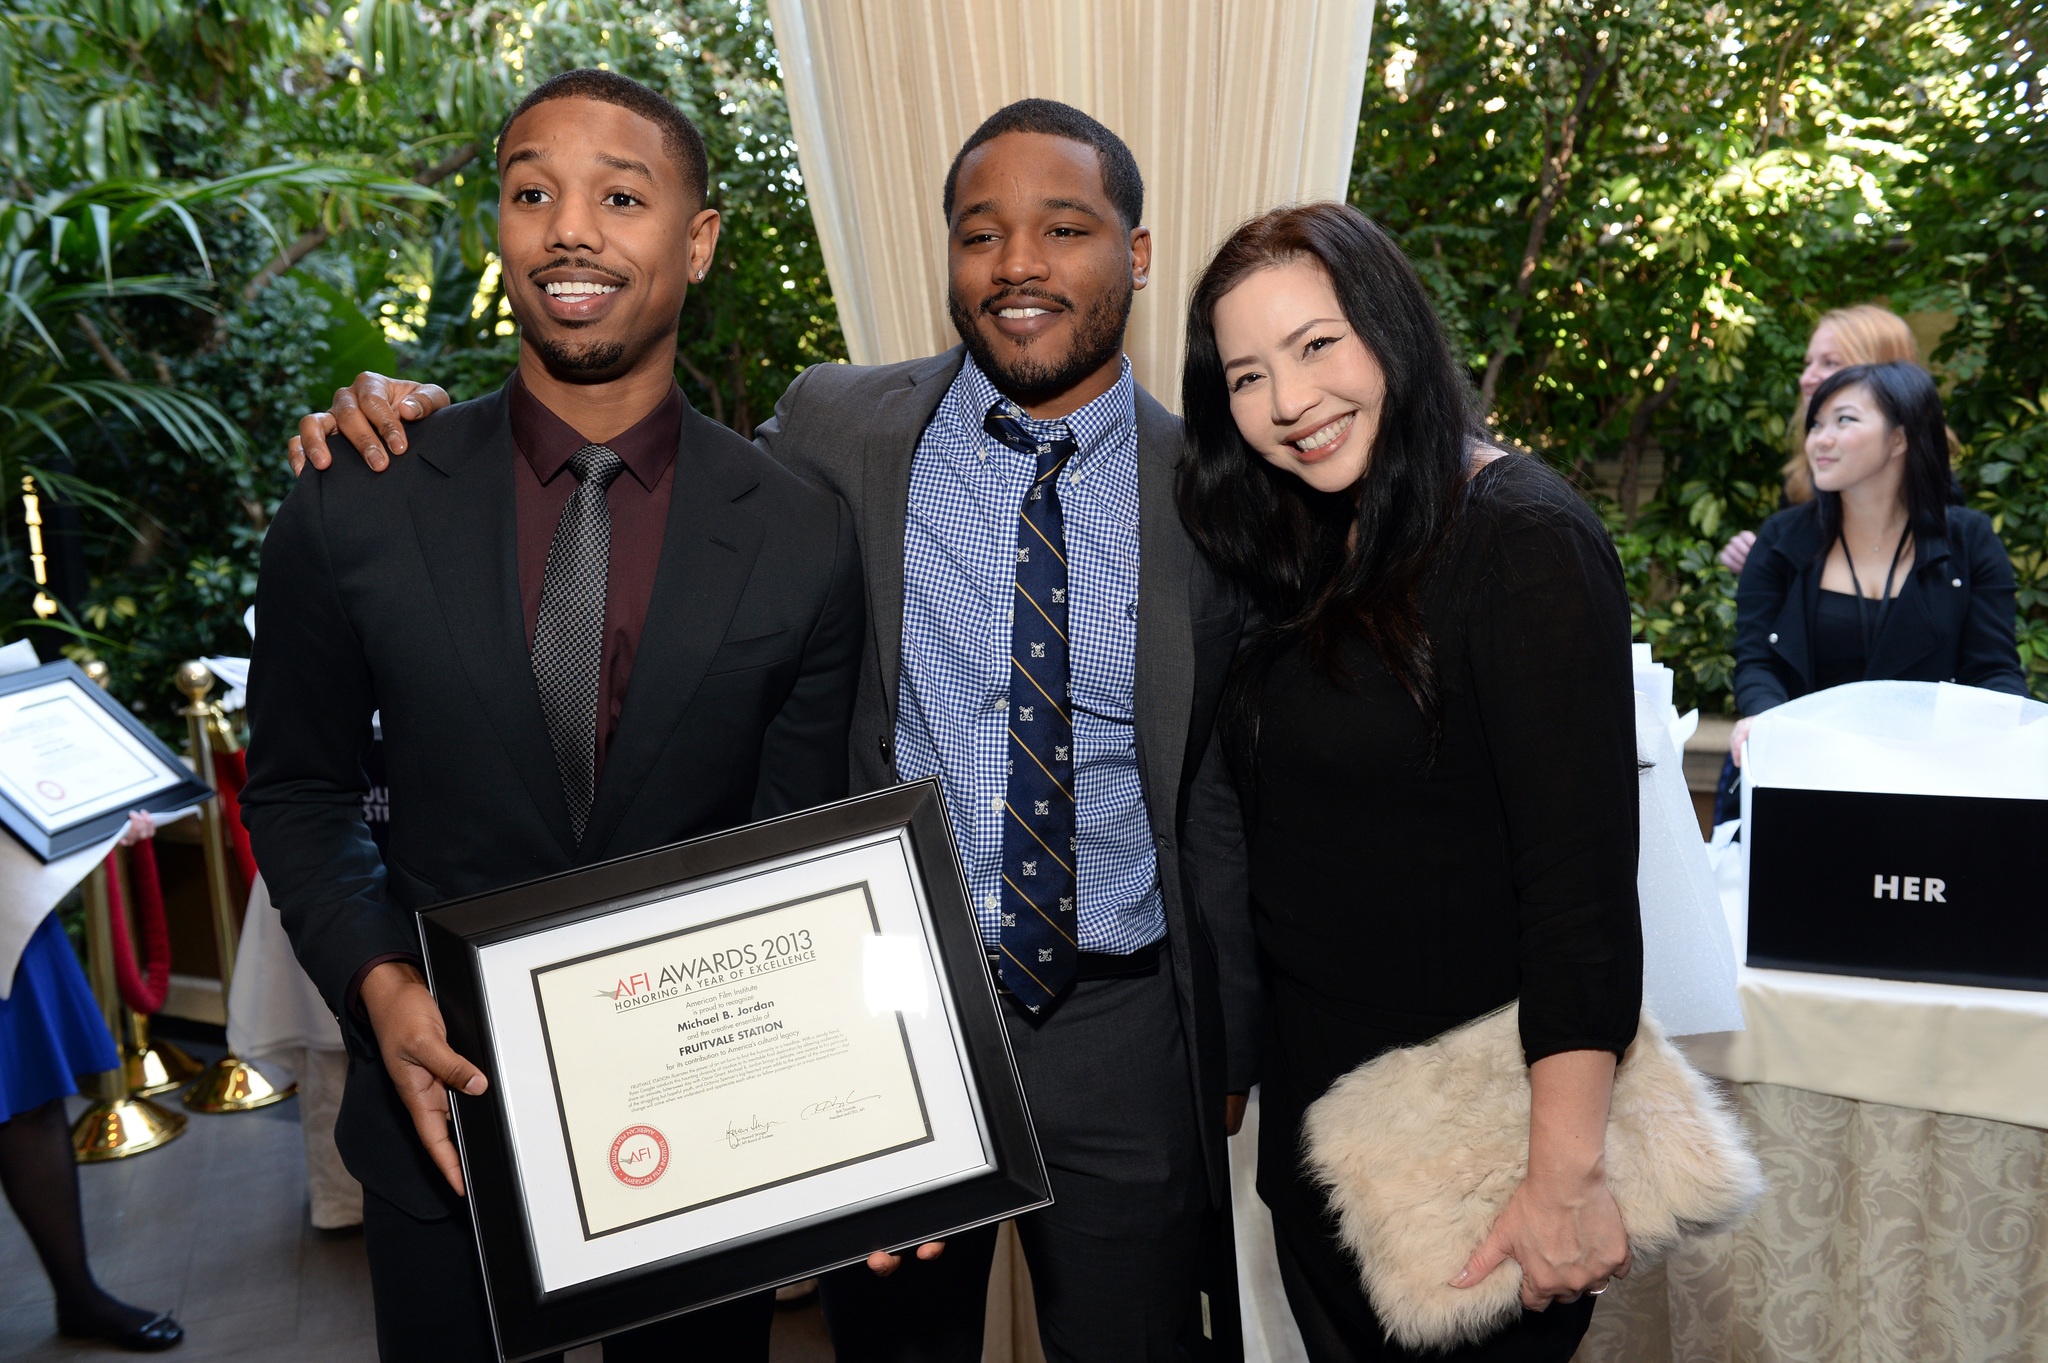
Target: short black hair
679,136
1120,178
1909,399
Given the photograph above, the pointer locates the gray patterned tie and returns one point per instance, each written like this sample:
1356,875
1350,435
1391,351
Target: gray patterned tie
568,638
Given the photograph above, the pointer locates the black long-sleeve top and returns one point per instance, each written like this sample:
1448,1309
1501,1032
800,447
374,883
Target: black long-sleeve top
1951,621
1398,895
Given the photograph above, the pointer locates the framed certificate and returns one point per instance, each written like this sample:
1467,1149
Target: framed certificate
73,762
727,1065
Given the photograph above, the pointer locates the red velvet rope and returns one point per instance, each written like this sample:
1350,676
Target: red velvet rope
144,995
230,774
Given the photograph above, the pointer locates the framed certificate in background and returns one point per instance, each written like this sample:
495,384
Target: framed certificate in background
726,1065
73,762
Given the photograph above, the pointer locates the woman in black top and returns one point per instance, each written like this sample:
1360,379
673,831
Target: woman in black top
1879,577
1434,738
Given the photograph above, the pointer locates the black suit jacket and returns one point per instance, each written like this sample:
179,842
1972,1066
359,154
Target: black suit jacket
399,592
855,428
1952,621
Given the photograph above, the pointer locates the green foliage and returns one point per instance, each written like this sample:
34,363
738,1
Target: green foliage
1985,220
85,81
1631,212
73,415
417,83
1682,603
765,313
250,203
178,588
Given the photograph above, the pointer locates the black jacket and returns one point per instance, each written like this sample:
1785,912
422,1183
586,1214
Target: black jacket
399,591
1952,621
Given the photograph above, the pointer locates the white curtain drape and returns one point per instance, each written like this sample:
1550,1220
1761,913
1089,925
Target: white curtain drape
1230,106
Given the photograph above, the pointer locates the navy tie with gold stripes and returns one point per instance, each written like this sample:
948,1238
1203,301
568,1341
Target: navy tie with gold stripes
1038,943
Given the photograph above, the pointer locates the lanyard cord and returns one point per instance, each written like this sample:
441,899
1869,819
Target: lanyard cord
1869,631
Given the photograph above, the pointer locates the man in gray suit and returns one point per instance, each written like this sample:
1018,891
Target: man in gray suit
1014,502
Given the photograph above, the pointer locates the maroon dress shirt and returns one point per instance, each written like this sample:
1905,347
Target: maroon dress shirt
638,503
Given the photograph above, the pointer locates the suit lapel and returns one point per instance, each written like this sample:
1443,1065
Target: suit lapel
708,549
1164,699
898,425
466,526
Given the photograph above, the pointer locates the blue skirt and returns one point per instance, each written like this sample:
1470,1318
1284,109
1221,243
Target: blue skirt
50,1025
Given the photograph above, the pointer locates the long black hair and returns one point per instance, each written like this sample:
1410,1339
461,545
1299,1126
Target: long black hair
1906,394
1281,541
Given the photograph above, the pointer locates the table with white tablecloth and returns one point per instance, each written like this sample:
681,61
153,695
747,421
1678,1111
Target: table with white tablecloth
1903,1129
278,1022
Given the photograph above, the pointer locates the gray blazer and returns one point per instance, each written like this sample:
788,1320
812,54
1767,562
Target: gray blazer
855,429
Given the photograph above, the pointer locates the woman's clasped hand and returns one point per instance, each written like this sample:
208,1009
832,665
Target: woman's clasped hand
1560,1226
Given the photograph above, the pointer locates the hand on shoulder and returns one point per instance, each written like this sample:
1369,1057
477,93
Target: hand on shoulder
370,414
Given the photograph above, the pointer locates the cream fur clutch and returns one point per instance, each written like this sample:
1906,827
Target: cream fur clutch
1421,1147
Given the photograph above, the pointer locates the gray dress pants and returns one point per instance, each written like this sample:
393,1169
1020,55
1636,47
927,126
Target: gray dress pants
1113,1260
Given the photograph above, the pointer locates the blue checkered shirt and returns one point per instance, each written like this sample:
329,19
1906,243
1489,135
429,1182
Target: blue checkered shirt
959,582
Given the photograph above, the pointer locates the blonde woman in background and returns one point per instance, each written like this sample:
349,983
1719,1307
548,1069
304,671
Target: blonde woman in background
1864,334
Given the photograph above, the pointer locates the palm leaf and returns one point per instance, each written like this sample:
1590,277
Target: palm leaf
68,486
192,421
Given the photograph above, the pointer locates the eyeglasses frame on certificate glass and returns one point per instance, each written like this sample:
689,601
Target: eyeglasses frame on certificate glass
530,1320
177,787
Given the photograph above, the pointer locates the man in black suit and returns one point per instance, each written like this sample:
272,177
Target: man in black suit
594,623
1136,1066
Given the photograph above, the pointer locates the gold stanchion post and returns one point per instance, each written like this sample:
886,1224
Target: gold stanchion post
230,1084
117,1123
156,1066
150,1068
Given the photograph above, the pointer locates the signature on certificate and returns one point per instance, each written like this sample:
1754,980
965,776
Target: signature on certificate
754,1129
837,1107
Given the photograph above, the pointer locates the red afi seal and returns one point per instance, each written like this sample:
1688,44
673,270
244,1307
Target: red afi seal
639,1156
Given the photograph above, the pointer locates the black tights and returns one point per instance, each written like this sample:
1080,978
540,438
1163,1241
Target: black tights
41,1178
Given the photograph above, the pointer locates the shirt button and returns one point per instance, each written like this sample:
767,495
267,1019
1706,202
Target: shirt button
1955,582
1774,638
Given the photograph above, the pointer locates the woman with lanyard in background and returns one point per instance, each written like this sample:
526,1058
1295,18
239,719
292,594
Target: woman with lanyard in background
1881,577
1864,334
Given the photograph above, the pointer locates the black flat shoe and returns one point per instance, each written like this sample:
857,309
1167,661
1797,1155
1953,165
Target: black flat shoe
154,1336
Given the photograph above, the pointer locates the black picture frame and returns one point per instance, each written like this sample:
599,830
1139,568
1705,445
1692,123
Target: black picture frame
51,843
530,1321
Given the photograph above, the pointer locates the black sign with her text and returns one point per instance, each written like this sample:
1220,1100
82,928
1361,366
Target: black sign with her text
1903,887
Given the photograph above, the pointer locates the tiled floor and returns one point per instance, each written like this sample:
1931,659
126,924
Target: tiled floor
213,1228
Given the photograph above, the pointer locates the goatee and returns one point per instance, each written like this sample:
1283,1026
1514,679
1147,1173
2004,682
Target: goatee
1028,379
597,360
